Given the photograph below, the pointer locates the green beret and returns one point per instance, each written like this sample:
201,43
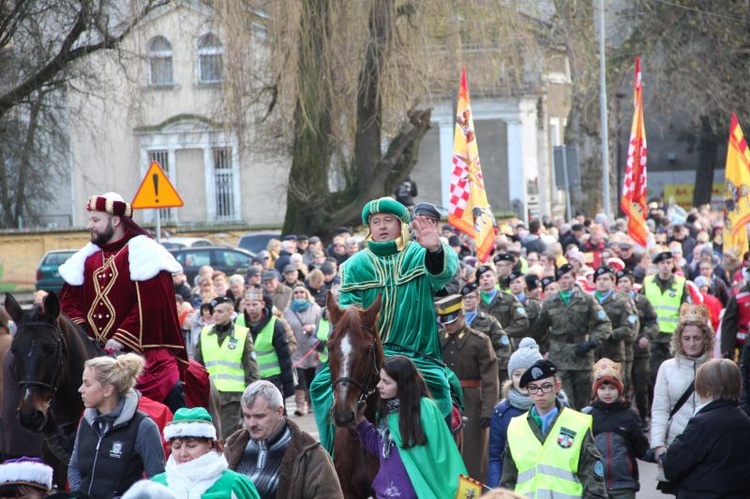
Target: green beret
385,205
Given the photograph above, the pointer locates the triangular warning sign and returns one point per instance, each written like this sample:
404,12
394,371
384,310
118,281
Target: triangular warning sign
156,191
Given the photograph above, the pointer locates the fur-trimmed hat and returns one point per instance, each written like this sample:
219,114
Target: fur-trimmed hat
30,471
385,205
525,357
190,423
607,371
111,203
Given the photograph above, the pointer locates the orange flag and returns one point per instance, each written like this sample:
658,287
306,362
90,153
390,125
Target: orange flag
633,202
468,209
736,190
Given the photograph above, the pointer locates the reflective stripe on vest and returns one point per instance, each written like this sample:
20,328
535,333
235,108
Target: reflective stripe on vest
224,363
268,361
549,469
667,304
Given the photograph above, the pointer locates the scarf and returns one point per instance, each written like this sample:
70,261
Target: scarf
470,316
193,478
600,297
488,297
544,422
519,400
261,461
390,406
565,295
300,305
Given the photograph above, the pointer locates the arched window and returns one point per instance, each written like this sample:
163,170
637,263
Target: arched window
210,52
160,61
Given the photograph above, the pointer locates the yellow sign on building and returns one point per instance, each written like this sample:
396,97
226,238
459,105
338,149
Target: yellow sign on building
683,194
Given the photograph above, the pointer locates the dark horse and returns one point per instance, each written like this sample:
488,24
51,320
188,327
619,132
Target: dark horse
49,351
354,356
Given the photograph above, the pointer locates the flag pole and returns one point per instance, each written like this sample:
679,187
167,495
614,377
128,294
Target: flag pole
603,113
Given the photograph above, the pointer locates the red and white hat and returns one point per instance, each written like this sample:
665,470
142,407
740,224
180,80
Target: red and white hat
111,203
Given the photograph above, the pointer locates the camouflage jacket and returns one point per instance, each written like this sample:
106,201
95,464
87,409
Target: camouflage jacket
648,325
624,318
490,326
510,313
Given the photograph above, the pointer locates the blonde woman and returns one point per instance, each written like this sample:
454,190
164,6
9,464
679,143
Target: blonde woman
115,444
303,315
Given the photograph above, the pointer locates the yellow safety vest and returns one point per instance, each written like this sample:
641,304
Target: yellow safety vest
667,304
324,327
549,470
268,361
224,363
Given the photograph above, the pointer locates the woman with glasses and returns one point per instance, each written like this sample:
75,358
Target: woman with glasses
550,447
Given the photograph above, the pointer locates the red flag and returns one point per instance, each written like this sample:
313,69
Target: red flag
633,202
468,209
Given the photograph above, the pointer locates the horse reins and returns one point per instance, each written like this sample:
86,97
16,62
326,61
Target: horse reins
58,353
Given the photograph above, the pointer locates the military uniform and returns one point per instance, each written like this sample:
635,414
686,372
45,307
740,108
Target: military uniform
509,312
567,326
624,318
487,324
647,328
533,307
470,355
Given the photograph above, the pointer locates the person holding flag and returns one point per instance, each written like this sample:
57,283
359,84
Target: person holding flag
468,210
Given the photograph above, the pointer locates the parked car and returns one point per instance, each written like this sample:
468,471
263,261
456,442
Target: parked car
257,241
47,274
185,242
228,260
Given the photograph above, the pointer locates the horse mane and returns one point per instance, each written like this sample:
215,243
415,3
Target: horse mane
351,320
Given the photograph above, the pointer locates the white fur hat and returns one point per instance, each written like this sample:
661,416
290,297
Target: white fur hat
26,471
190,423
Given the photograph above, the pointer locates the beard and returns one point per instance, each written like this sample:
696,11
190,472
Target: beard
100,238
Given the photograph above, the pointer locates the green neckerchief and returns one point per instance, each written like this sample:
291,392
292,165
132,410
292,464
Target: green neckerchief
565,295
600,297
386,248
488,297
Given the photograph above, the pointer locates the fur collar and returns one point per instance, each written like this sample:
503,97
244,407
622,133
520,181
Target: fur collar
146,258
195,477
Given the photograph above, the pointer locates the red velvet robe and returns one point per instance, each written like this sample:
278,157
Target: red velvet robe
140,314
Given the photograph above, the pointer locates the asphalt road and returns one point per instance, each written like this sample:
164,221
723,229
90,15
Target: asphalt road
647,470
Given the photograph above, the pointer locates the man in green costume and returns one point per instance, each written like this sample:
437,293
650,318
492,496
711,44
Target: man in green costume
407,274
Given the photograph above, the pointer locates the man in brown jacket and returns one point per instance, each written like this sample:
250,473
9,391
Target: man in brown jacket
294,465
470,355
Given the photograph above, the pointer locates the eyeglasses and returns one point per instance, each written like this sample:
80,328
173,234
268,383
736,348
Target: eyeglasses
545,388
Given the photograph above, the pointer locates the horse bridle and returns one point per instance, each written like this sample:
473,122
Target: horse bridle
58,352
365,389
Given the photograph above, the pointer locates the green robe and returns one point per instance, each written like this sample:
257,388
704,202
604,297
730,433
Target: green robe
229,484
433,468
406,323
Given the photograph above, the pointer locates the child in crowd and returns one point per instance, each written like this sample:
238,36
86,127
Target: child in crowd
617,431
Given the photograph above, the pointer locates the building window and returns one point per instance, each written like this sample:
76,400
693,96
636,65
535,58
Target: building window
210,53
223,176
162,157
160,62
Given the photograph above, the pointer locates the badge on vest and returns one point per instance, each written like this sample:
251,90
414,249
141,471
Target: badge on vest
232,344
116,450
565,438
672,293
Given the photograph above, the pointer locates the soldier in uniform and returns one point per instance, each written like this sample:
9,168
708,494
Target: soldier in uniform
470,355
481,321
666,292
503,306
517,285
648,328
624,318
575,324
504,263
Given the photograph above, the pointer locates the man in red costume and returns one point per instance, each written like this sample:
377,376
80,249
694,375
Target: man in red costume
119,289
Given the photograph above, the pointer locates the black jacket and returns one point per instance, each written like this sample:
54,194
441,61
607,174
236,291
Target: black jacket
620,440
285,381
711,458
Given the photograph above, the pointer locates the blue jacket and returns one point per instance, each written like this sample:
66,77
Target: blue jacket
501,417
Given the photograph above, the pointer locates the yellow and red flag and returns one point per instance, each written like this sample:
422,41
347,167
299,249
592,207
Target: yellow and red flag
633,202
468,209
736,190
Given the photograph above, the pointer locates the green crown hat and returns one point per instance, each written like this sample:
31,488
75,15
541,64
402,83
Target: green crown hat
385,205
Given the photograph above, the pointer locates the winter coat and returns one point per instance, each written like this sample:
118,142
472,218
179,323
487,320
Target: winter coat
674,376
711,457
306,469
305,341
620,440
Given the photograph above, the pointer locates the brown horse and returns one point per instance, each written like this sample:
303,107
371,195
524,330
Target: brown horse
49,351
354,356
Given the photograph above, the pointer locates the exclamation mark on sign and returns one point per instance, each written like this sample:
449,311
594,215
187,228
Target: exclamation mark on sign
155,178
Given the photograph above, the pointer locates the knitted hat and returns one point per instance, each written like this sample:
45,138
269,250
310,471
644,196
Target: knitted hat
187,423
607,371
111,203
253,294
29,471
525,357
385,205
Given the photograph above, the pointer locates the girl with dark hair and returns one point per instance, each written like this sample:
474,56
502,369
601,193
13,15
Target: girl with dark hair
417,455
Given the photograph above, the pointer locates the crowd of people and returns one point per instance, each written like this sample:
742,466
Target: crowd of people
571,353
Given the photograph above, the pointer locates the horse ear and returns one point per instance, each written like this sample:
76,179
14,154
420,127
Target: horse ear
51,305
334,312
13,308
371,313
